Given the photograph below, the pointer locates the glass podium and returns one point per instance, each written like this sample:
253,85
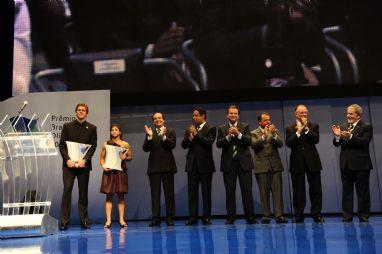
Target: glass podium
26,152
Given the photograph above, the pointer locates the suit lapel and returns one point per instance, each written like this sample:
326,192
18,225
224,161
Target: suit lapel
357,127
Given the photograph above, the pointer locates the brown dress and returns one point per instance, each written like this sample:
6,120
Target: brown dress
114,181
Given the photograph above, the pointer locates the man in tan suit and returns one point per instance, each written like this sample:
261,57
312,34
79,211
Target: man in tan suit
268,167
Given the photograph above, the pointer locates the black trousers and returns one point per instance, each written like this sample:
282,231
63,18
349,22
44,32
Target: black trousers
167,180
299,193
245,180
68,176
194,179
359,178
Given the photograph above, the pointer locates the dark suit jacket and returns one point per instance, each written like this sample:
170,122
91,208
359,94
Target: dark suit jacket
243,144
303,149
355,153
200,150
161,159
267,156
85,133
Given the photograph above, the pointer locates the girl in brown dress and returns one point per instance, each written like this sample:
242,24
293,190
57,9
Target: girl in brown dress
114,181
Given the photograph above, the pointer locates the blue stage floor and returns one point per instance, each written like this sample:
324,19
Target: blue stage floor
331,237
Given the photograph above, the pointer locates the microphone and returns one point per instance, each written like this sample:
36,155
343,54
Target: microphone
17,116
22,107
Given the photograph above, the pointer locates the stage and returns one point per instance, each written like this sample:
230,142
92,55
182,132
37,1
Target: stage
331,237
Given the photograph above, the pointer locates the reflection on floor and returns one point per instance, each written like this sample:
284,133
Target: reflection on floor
331,237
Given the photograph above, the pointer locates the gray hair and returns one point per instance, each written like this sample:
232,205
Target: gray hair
357,108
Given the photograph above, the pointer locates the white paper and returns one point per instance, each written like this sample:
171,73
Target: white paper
77,151
112,159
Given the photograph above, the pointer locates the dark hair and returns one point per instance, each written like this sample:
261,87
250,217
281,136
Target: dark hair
152,116
260,115
83,104
201,111
119,128
233,107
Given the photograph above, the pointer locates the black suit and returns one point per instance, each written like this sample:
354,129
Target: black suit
236,161
161,167
355,164
85,133
304,159
200,167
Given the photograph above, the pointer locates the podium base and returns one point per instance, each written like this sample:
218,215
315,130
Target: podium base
29,225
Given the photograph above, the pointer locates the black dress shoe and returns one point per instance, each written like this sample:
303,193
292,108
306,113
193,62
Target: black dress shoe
265,220
191,221
318,219
347,219
281,219
230,221
170,221
363,219
85,225
251,220
206,220
298,219
154,222
64,226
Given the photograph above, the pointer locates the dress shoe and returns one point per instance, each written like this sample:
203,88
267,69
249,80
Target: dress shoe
318,219
363,219
191,221
230,221
206,220
265,220
107,226
298,219
64,226
347,219
170,221
85,225
281,219
154,222
251,220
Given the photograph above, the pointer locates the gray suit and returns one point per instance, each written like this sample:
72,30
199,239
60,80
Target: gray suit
268,170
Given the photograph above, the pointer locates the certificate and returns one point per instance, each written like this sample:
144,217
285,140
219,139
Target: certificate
77,151
112,159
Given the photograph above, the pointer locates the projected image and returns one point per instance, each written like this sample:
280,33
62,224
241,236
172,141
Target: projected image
134,46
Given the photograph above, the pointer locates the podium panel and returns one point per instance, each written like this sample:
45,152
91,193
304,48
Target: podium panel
25,155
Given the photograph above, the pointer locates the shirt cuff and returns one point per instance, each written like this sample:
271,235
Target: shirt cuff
298,134
164,137
149,50
228,137
239,135
307,130
149,137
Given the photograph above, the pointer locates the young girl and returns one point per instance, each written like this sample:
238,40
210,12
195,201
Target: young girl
115,181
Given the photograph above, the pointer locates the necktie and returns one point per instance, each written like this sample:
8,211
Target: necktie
234,151
351,127
197,127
